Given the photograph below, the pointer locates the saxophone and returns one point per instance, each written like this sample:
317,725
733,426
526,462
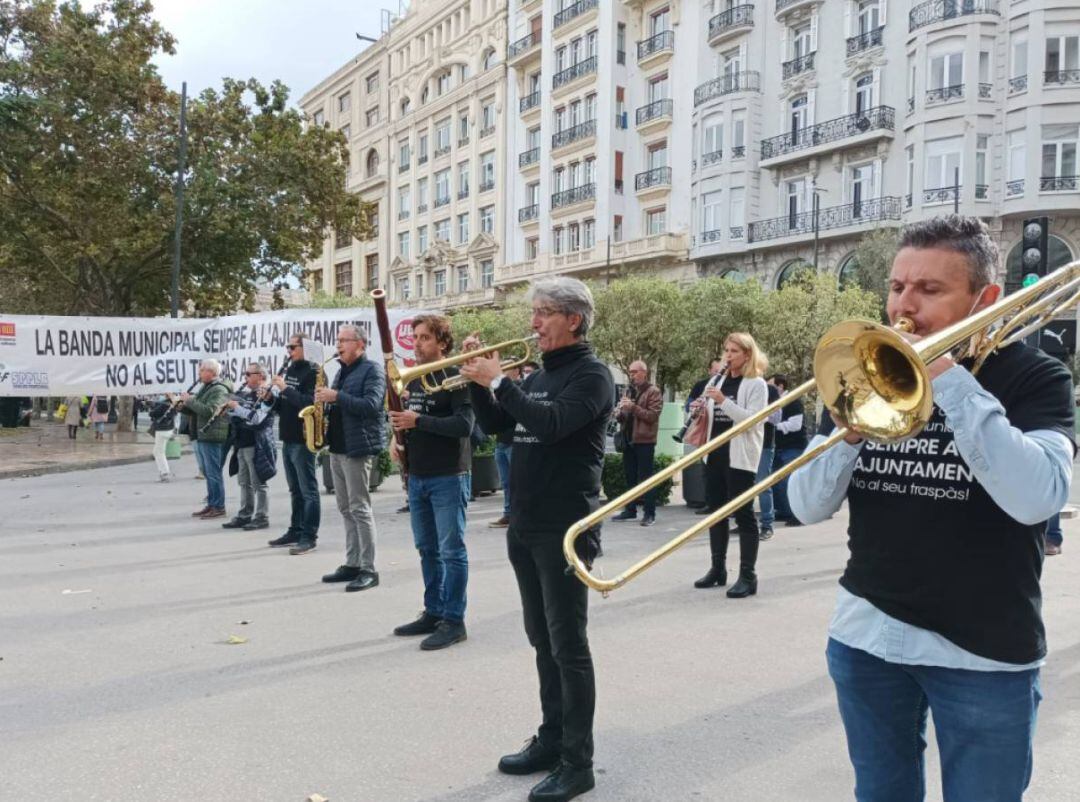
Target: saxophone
314,416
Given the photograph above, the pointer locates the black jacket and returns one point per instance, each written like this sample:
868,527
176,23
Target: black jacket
360,407
299,392
559,415
162,416
251,425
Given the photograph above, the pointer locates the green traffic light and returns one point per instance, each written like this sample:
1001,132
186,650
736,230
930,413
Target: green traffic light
1029,279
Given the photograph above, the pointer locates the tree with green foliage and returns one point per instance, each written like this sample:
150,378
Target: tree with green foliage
88,161
337,300
873,260
713,308
494,325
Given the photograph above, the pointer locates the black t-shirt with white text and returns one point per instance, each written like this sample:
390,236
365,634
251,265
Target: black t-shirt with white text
721,422
929,545
431,453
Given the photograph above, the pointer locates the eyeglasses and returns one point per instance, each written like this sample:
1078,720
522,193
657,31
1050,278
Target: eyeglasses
252,373
545,311
348,339
292,346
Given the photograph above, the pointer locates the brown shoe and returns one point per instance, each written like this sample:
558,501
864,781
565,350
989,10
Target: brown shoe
1052,549
502,523
200,513
213,512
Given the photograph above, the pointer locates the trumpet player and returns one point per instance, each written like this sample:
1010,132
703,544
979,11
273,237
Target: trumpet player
213,429
292,391
355,434
939,606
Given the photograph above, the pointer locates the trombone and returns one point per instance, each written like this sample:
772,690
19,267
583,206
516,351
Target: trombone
401,378
872,380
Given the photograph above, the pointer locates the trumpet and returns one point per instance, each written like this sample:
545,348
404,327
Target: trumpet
400,379
872,381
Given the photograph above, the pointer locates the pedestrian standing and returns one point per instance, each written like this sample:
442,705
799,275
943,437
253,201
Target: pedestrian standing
162,426
99,415
73,415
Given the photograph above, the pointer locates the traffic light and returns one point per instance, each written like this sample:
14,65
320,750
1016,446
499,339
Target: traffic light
1033,253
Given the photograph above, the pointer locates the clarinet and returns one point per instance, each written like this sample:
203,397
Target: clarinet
691,416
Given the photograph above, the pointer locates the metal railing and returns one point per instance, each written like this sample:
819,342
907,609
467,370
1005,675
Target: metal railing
940,195
986,91
849,214
487,131
782,4
529,101
421,208
910,105
403,167
941,94
620,56
1018,84
982,191
1014,187
442,201
792,68
736,232
907,201
463,193
749,81
878,117
403,214
711,236
463,142
442,151
523,44
529,213
531,156
665,40
1059,183
573,134
738,152
711,158
573,72
487,186
1061,77
573,195
658,108
656,177
940,10
735,17
575,10
865,41
421,159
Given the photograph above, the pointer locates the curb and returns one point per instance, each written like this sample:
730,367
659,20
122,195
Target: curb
45,470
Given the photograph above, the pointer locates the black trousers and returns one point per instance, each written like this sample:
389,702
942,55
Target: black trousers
638,466
556,609
723,483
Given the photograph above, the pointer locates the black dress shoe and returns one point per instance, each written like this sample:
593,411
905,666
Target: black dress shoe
534,757
425,624
363,581
251,526
625,515
793,522
648,520
563,784
302,547
746,586
766,533
715,577
446,633
704,510
236,523
288,539
343,573
403,509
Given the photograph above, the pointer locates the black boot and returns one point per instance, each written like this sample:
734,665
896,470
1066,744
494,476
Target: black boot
715,577
534,757
746,586
563,784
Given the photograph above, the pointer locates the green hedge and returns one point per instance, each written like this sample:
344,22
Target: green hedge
613,478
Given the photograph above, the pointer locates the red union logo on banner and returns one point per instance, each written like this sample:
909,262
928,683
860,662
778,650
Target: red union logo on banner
7,333
404,334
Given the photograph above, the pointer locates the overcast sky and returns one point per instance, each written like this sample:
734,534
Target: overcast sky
297,41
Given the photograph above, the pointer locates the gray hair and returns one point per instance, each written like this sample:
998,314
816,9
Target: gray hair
359,332
566,295
259,366
211,365
965,235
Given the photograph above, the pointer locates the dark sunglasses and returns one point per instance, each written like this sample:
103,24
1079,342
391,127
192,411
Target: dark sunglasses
292,346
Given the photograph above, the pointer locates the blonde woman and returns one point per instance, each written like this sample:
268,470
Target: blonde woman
731,469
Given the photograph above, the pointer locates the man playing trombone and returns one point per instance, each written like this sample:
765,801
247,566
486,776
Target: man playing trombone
559,416
939,604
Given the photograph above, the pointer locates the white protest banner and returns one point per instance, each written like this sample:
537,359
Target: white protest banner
57,356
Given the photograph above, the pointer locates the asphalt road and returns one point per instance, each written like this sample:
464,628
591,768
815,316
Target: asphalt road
117,684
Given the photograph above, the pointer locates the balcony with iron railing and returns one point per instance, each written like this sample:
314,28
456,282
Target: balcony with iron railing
573,12
486,132
463,142
403,214
986,91
529,158
784,7
442,200
463,193
1059,183
654,48
443,151
421,208
655,114
573,72
865,41
833,217
421,159
488,185
529,213
656,178
529,102
1061,77
789,69
727,84
1013,188
875,122
940,195
1018,84
711,158
569,197
524,47
576,133
935,11
982,192
944,93
730,23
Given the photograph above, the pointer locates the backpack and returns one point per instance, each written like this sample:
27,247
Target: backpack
102,406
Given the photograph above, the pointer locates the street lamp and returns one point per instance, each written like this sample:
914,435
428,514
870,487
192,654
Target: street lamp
363,38
816,208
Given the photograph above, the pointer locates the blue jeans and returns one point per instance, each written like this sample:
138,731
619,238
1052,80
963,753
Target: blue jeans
195,446
765,500
303,490
1053,530
437,509
984,720
213,455
502,462
780,501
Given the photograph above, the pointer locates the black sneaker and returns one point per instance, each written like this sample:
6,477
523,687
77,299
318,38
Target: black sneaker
403,509
364,580
288,539
766,533
343,573
425,624
251,526
302,547
564,783
533,758
446,633
648,520
704,510
625,515
236,523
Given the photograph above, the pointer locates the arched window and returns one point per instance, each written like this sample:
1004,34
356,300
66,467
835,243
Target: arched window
425,95
372,162
1058,254
792,270
848,275
735,275
405,103
489,58
864,93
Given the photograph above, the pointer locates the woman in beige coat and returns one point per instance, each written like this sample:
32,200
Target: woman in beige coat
73,416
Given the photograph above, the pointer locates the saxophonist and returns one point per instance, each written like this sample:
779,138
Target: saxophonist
356,433
292,392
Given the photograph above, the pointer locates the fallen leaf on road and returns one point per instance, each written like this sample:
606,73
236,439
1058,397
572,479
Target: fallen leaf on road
317,798
236,640
243,622
70,592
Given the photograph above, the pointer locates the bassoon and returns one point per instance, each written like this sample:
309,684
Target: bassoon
393,400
